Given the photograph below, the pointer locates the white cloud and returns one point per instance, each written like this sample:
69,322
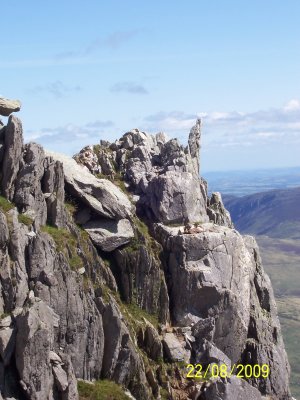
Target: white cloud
292,105
234,128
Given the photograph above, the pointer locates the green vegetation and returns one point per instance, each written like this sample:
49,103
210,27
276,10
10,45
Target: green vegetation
281,262
4,315
65,243
5,205
137,314
24,219
100,390
71,206
289,315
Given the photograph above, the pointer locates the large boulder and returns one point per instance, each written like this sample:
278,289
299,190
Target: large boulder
175,197
101,195
108,235
175,349
9,106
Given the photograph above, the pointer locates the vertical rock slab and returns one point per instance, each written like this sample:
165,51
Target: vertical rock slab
121,362
53,187
13,147
194,146
34,343
28,194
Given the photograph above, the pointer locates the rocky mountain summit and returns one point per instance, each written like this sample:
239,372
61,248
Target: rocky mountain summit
117,265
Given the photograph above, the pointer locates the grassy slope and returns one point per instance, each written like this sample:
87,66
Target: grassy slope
281,260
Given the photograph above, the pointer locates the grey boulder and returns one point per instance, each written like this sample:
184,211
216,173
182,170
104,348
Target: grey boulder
175,197
9,106
108,235
175,349
101,195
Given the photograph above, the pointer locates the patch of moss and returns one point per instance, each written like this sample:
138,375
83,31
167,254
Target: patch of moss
134,245
5,205
138,314
4,315
24,219
66,243
71,206
101,390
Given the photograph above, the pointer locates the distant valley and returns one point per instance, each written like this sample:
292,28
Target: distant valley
275,213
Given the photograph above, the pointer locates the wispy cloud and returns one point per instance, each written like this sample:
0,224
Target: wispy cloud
113,41
70,138
128,87
57,89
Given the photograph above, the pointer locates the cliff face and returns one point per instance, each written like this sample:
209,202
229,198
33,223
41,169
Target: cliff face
117,265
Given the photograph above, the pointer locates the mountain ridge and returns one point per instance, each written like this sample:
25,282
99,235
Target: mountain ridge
76,306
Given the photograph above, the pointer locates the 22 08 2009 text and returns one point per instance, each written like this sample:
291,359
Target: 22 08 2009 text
224,371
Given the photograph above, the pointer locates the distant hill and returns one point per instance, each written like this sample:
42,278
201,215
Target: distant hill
275,213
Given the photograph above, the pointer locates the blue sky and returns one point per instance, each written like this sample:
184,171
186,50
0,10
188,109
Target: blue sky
93,70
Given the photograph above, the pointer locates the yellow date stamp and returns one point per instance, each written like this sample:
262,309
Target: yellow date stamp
224,371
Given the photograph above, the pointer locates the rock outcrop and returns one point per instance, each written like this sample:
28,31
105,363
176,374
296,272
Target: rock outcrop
7,106
155,277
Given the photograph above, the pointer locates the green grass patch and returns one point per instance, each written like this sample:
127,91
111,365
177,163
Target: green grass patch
289,315
24,219
101,390
138,314
5,205
71,206
66,243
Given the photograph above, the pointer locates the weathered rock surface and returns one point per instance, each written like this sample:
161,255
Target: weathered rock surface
108,235
13,142
202,282
217,212
9,106
216,280
100,195
174,349
141,281
152,343
175,197
120,360
234,389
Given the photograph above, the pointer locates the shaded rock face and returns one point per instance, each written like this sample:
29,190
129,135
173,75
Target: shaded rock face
27,180
53,313
68,314
141,281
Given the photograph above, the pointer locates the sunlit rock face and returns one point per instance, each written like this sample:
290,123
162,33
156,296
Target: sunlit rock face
116,264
